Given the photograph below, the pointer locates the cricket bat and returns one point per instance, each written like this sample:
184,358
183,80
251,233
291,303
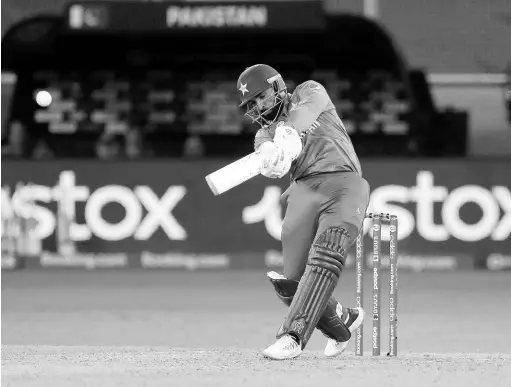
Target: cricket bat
234,173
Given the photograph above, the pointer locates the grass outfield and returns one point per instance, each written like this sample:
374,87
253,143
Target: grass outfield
185,329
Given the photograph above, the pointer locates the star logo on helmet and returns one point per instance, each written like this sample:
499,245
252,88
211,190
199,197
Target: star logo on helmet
243,88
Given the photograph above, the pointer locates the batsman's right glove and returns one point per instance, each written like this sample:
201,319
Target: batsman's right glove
276,161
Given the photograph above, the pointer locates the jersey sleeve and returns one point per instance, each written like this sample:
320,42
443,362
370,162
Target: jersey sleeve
309,100
261,136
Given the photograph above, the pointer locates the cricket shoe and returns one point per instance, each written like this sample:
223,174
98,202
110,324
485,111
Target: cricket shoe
284,348
352,318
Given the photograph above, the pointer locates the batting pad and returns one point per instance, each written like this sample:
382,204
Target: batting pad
326,260
330,323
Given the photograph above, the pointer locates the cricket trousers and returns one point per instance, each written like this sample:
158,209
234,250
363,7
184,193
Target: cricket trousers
314,204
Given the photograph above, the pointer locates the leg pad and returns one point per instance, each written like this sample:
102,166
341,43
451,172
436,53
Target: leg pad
326,260
330,323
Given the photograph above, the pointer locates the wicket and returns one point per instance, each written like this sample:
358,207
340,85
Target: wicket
376,269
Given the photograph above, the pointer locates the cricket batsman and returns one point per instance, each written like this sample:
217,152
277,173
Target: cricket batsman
325,204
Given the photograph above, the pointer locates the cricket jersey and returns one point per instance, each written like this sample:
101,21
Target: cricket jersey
326,143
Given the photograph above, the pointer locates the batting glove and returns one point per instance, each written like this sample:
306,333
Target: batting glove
275,161
287,138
